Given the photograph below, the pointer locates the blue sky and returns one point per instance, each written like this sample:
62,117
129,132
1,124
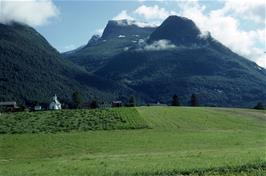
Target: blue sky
239,24
78,21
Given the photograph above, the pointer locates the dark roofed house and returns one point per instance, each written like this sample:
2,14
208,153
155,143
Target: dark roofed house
8,105
116,103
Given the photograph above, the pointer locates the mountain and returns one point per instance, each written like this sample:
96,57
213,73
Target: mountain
177,59
118,36
179,30
127,28
32,70
152,63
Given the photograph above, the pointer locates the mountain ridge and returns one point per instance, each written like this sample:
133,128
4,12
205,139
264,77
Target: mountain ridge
152,64
194,64
117,36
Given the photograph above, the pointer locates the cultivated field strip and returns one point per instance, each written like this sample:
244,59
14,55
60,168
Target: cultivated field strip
71,120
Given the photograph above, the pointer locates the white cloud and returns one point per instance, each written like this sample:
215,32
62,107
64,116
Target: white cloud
144,24
262,61
252,10
124,19
223,23
153,12
99,31
121,36
226,29
160,45
123,16
205,35
31,12
69,47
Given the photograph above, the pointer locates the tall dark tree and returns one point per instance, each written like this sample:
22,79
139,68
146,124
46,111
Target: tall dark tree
131,101
94,104
175,101
76,99
194,100
259,106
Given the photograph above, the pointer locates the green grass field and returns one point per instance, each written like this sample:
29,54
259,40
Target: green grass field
71,120
178,141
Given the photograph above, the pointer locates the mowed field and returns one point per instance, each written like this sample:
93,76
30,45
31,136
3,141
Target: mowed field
150,141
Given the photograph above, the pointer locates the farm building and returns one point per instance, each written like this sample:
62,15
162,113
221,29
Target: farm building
37,108
8,105
55,104
12,104
116,103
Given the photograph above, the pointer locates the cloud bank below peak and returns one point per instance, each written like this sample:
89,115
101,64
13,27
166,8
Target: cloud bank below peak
160,45
30,12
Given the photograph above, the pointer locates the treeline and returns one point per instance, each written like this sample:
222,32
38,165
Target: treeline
78,101
260,106
193,100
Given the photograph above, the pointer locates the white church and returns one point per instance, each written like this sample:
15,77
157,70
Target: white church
55,104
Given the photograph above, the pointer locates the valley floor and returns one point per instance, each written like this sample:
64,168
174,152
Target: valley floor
179,141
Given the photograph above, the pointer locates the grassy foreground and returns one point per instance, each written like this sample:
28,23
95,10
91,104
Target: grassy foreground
180,141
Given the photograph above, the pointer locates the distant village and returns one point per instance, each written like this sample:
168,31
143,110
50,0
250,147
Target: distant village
11,106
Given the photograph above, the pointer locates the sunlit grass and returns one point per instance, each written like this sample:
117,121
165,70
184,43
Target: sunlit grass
179,141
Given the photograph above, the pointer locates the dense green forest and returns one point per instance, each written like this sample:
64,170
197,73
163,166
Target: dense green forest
32,70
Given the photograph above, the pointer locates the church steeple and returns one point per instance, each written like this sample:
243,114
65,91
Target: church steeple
55,104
